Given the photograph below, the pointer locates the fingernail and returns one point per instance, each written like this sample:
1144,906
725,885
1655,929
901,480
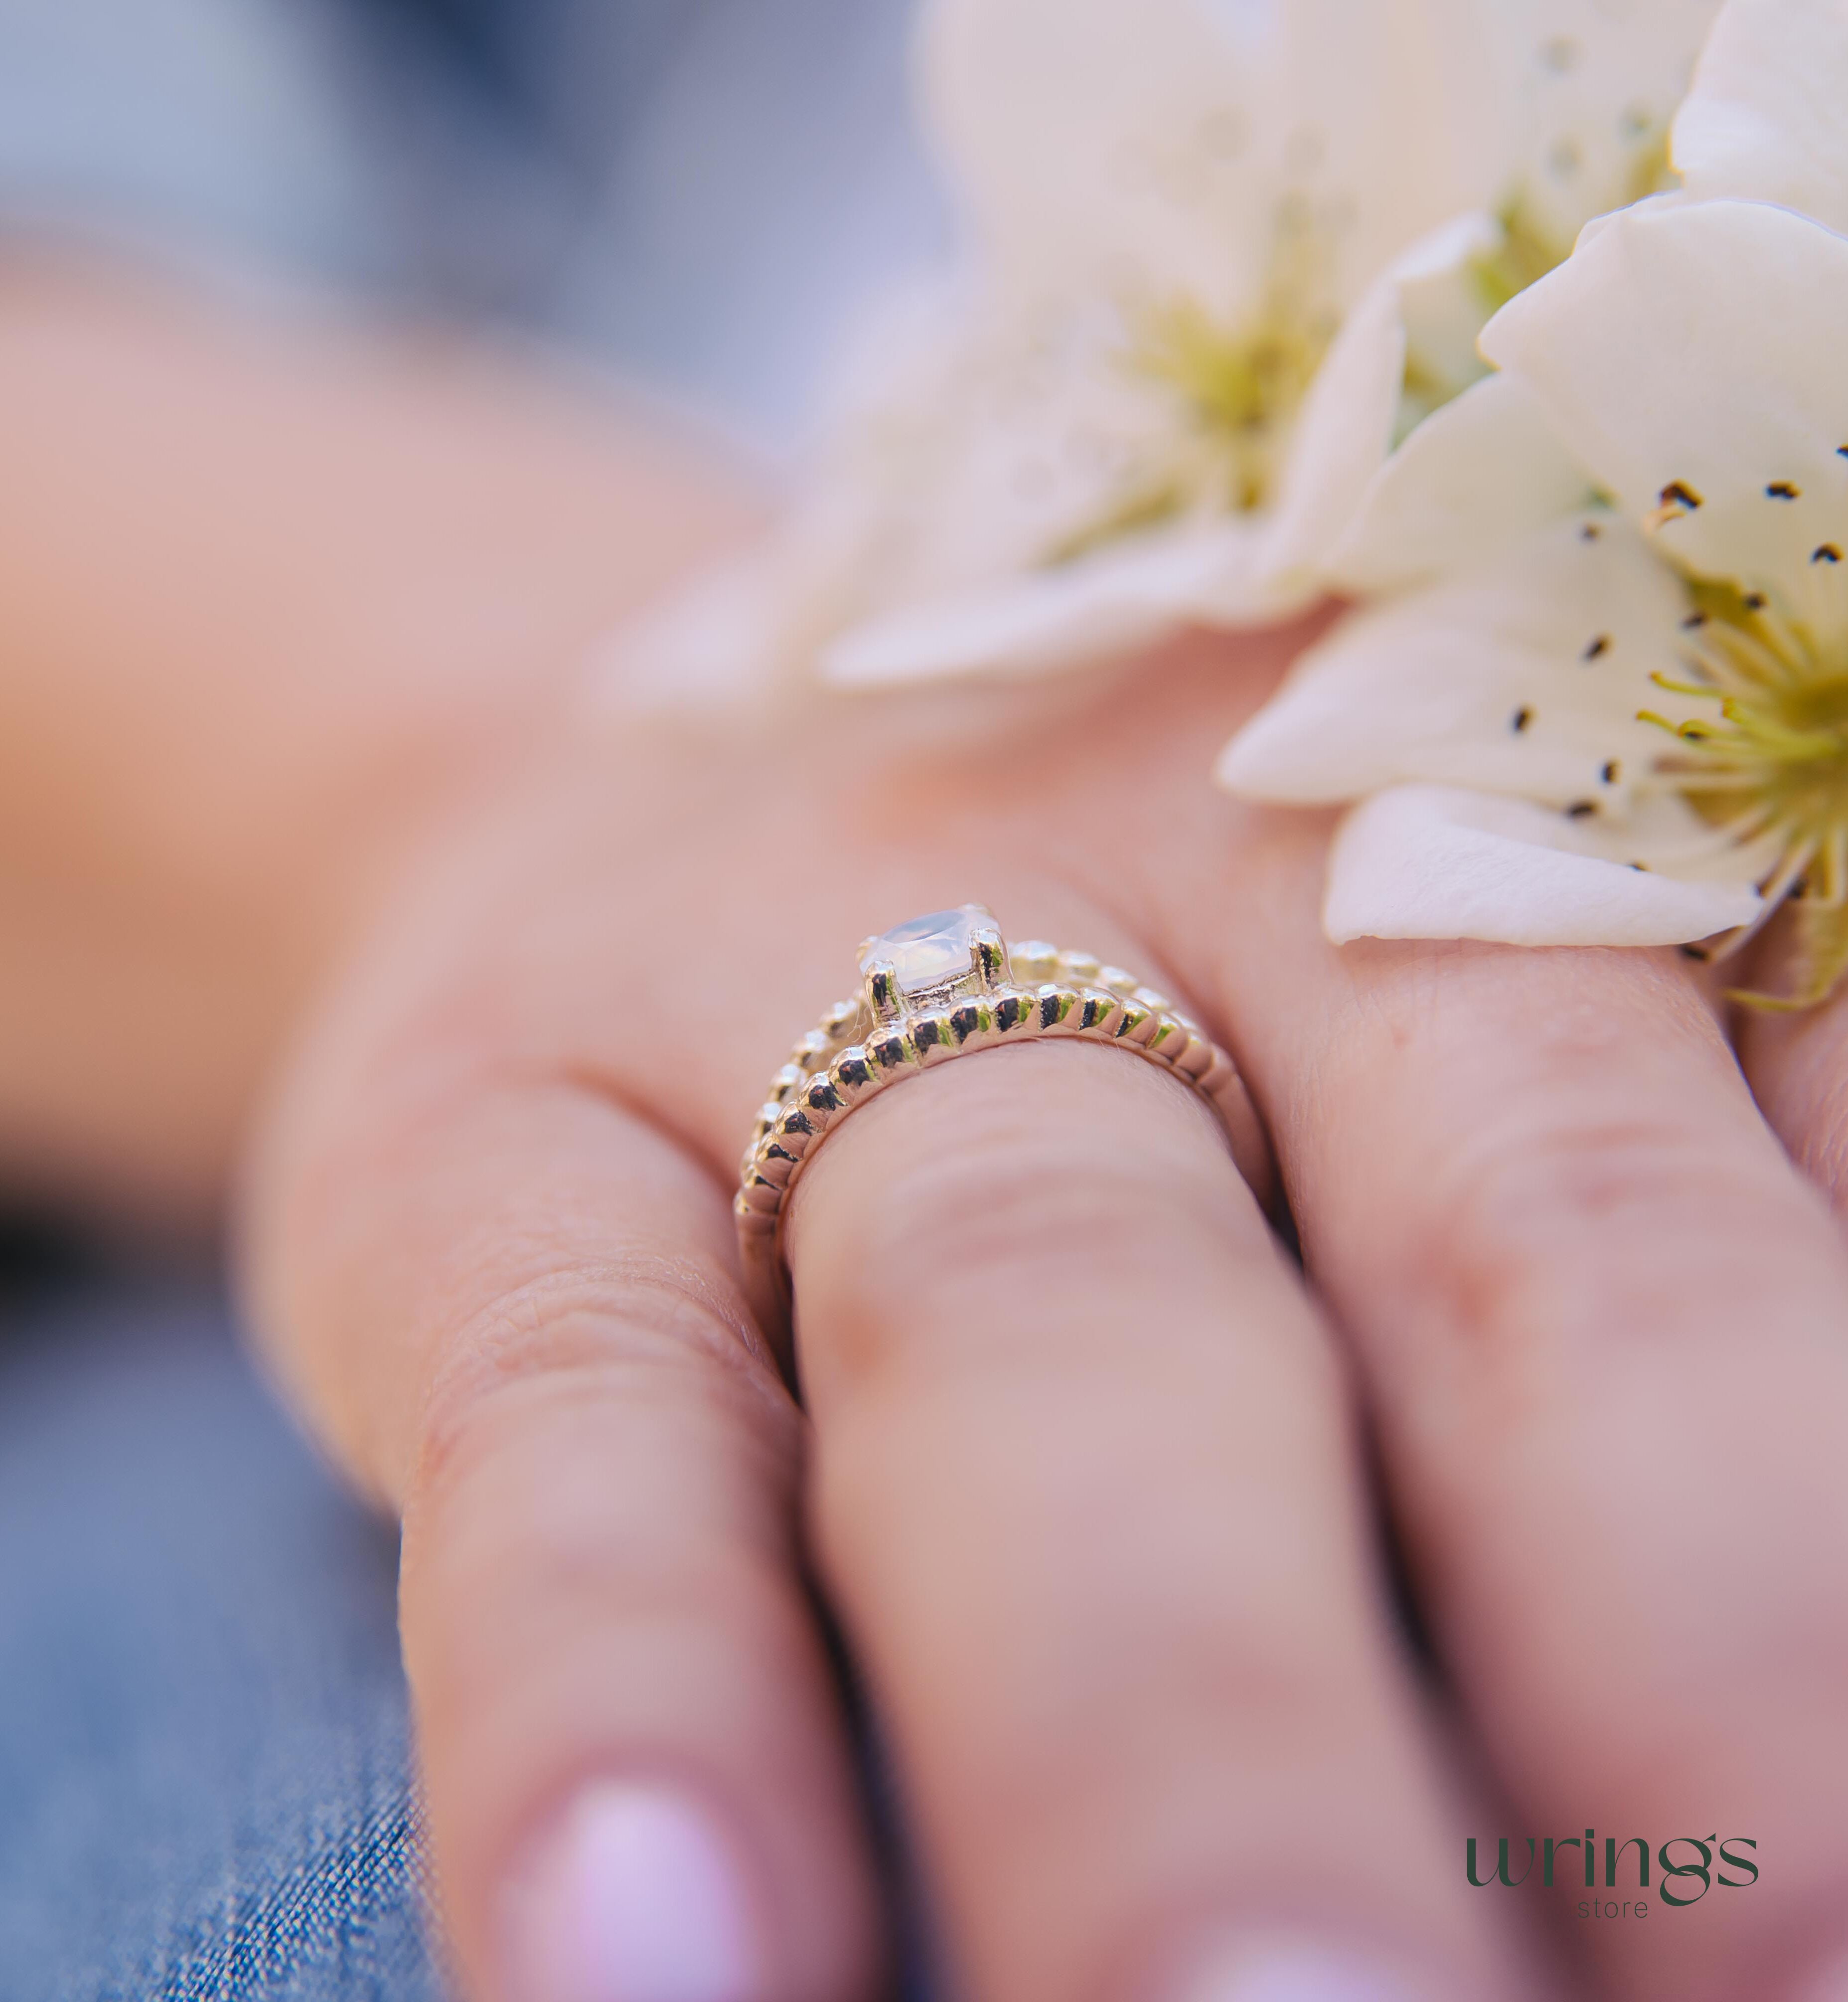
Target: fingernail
634,1897
1297,1971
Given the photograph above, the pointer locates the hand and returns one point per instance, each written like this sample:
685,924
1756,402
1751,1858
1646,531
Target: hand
1082,1468
271,595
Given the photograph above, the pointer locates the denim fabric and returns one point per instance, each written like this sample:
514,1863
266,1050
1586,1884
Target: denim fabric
204,1787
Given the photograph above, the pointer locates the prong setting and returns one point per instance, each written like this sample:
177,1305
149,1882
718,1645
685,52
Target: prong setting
937,988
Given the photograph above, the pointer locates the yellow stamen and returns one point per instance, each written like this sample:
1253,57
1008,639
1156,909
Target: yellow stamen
1772,765
1240,386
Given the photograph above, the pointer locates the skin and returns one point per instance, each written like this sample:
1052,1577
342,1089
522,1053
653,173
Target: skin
1091,1476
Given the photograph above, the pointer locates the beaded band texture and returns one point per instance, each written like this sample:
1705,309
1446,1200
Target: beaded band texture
897,1029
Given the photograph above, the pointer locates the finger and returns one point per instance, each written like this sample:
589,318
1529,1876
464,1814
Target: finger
1604,1328
1086,1491
511,1306
1798,1067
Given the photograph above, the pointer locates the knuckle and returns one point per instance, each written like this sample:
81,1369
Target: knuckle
1575,1224
1000,1212
645,1331
1016,1204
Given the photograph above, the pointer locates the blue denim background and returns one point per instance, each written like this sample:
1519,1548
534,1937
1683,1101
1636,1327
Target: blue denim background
203,1781
204,1785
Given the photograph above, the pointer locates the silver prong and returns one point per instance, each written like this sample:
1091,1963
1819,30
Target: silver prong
989,961
882,990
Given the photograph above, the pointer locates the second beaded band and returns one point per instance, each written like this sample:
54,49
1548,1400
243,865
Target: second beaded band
940,987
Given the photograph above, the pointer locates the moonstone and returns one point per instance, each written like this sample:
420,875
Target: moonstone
929,951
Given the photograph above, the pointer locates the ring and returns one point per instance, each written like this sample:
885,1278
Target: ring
943,986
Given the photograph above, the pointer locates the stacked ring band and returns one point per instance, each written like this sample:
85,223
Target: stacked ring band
941,987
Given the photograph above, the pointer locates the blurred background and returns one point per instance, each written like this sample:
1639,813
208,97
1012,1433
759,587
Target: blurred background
702,191
204,1789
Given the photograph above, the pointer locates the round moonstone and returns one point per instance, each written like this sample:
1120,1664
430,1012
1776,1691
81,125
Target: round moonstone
929,951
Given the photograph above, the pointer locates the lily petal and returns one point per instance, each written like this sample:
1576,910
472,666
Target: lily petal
1603,78
1764,120
1690,355
1149,147
1437,862
1484,470
1043,620
1526,675
1345,431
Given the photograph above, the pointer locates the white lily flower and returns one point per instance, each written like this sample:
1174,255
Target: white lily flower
1628,724
1229,251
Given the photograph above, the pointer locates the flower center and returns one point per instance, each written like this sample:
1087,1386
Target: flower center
1235,389
1772,766
1239,386
1533,240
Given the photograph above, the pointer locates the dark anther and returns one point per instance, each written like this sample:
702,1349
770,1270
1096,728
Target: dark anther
1579,808
1641,868
1824,552
1520,720
1600,645
1693,622
1754,601
1678,489
1589,531
1780,490
1609,773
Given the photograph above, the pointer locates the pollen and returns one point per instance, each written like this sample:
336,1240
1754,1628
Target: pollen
1768,766
1676,499
1240,386
1781,489
1236,384
1597,647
